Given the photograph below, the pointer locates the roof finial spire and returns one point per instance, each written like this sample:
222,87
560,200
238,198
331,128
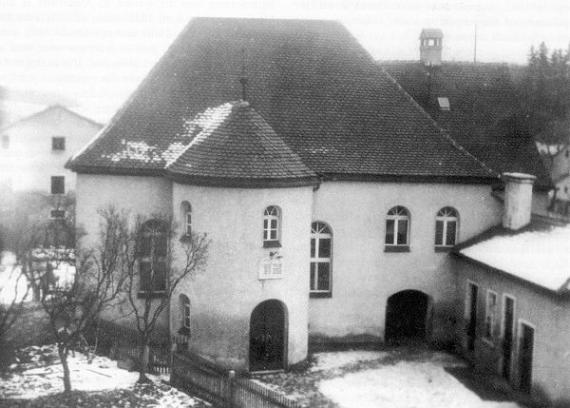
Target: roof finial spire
243,79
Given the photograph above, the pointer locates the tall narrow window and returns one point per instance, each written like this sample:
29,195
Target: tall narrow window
186,210
152,253
321,255
184,315
446,227
490,314
271,227
397,229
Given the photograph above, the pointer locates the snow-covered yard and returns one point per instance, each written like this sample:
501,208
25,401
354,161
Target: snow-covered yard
397,378
36,380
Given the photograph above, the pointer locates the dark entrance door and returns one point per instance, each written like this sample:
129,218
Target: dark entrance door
508,321
406,316
472,322
267,336
526,348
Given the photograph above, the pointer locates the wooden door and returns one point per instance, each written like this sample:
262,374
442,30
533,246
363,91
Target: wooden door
508,324
472,316
526,349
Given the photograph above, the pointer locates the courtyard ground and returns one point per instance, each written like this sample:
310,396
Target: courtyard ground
35,380
402,377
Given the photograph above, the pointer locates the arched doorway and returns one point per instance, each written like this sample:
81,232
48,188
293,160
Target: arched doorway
267,336
406,316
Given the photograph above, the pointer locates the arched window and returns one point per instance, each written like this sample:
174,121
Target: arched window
321,256
397,228
446,223
186,210
152,252
271,226
184,315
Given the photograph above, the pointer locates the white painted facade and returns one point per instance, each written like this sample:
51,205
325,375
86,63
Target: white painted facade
223,296
27,160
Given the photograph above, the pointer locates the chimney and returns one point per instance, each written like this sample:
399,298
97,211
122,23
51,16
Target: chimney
430,46
518,200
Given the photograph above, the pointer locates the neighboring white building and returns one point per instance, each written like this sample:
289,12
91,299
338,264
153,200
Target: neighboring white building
330,197
34,150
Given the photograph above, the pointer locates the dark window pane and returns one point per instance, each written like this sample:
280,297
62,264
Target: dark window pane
159,276
265,223
144,272
439,232
273,224
451,230
58,185
312,284
402,232
389,232
324,278
313,248
324,248
273,234
160,244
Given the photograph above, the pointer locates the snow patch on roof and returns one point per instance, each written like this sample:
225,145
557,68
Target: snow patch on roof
143,152
540,257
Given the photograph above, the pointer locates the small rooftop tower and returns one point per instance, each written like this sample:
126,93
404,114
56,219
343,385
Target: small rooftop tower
430,46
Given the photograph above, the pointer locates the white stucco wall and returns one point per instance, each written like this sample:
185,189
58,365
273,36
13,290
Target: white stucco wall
547,313
364,276
224,295
142,196
29,161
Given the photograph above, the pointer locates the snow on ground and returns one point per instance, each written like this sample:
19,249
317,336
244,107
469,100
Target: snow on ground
338,359
42,375
418,384
12,284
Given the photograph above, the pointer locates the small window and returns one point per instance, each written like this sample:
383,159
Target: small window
397,229
58,185
58,143
184,315
57,214
490,314
567,153
321,256
443,103
5,142
186,209
271,227
152,252
446,222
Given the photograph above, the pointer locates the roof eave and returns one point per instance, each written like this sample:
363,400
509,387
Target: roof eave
244,182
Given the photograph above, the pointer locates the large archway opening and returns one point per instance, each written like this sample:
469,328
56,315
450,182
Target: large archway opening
406,317
267,336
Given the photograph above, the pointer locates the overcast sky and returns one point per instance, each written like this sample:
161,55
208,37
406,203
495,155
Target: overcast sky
96,52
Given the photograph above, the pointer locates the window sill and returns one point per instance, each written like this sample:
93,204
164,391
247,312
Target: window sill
443,248
151,295
318,295
397,248
186,238
271,244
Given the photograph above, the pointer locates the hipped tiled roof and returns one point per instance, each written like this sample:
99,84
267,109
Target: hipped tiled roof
483,111
313,84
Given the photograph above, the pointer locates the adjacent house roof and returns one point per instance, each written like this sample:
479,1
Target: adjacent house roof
482,111
313,84
49,110
538,254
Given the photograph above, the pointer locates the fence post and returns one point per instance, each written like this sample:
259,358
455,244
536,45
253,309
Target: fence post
231,377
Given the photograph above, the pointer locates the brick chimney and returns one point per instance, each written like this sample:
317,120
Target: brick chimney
518,200
431,46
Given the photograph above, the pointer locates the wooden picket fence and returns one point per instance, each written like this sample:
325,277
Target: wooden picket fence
223,388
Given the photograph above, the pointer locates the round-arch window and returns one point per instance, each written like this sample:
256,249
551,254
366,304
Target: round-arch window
397,226
321,256
446,226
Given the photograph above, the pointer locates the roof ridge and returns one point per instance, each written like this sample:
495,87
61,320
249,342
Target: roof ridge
442,131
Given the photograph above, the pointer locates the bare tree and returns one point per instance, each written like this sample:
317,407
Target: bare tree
73,305
154,274
12,296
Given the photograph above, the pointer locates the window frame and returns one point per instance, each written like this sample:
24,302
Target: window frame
58,143
54,190
186,213
272,213
445,219
320,230
143,259
57,214
395,216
